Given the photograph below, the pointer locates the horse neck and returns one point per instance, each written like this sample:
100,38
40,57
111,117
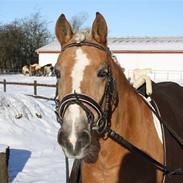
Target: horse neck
132,120
129,115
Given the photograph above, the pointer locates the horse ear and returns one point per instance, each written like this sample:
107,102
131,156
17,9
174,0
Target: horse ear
63,30
99,29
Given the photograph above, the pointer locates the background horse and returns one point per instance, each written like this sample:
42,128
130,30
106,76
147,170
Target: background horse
90,81
26,70
32,70
47,70
37,70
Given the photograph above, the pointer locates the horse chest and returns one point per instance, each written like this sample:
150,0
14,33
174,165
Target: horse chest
106,165
99,175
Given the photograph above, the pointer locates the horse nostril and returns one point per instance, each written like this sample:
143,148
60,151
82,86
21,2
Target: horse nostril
61,138
84,139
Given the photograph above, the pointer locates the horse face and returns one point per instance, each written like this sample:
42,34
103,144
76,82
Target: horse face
82,70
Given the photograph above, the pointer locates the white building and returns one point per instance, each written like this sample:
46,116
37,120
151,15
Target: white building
164,55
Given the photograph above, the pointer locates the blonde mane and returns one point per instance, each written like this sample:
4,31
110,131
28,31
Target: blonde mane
82,35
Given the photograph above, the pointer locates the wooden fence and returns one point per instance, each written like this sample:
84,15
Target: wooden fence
35,85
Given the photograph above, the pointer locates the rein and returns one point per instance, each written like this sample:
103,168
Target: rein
104,111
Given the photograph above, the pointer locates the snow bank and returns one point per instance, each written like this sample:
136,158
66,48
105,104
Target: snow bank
29,127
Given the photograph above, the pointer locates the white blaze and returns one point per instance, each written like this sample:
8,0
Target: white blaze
81,61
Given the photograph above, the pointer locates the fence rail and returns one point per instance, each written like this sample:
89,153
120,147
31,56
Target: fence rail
162,75
35,85
27,84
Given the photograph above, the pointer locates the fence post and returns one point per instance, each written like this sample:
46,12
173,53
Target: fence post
35,87
4,157
4,84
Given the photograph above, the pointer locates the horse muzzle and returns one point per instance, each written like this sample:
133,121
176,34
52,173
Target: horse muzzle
74,146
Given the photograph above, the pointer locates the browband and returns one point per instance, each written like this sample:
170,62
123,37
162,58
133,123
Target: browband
86,43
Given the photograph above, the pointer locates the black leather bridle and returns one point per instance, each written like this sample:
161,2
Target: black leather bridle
103,109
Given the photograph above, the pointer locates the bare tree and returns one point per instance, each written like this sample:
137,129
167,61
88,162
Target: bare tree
37,35
19,40
78,20
10,45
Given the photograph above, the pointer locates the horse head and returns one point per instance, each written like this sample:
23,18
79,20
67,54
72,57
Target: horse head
86,92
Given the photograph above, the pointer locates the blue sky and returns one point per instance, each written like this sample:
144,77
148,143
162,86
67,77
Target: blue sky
124,17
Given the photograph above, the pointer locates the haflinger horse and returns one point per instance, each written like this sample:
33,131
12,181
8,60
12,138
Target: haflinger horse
98,108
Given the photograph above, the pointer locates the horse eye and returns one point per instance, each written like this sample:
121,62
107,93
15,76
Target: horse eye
57,73
102,73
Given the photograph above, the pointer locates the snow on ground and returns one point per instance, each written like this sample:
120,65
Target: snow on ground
29,127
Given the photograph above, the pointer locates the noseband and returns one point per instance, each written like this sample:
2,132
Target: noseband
83,101
103,109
